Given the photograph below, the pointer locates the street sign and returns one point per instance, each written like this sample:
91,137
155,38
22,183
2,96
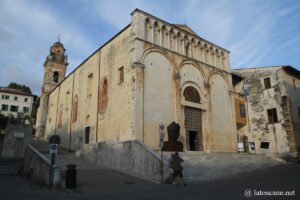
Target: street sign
252,146
53,148
240,147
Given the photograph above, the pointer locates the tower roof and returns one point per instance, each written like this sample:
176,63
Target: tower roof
58,44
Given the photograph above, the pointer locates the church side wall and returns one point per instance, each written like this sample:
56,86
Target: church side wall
80,94
64,110
116,122
86,83
52,114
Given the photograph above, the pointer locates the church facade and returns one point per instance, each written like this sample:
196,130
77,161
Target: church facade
150,74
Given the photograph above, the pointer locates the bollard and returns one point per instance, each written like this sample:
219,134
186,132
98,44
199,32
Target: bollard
56,176
71,176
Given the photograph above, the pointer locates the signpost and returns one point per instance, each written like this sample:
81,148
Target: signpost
54,141
240,147
53,149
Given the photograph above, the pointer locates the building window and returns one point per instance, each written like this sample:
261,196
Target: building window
191,94
55,77
103,100
121,74
89,88
14,108
264,145
242,110
25,109
4,107
74,109
272,116
187,47
267,83
16,98
26,99
5,96
87,135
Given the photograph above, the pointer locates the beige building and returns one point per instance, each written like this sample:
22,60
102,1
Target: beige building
150,73
14,102
273,107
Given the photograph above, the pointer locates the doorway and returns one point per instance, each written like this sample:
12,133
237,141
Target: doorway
193,141
193,127
87,135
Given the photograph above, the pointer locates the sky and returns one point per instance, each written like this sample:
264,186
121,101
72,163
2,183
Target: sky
256,32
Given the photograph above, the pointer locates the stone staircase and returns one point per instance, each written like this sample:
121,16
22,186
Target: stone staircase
10,166
199,166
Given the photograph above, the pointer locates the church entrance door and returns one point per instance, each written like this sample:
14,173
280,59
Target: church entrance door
193,127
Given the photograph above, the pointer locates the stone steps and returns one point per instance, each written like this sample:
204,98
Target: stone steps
10,166
9,169
199,166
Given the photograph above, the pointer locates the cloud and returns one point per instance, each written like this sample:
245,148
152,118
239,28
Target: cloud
28,29
117,12
258,33
21,75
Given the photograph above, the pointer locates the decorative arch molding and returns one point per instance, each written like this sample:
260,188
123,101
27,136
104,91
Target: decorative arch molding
223,76
203,103
154,49
157,50
187,62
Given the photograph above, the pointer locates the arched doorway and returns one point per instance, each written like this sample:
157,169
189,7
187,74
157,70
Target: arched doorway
193,120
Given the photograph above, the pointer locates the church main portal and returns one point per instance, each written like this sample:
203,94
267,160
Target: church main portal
193,127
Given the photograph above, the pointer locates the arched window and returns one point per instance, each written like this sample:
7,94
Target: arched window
191,94
103,101
74,109
147,29
187,49
55,77
155,33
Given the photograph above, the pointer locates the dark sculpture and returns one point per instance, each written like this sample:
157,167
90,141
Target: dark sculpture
173,133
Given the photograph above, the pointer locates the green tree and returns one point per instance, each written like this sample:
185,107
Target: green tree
20,87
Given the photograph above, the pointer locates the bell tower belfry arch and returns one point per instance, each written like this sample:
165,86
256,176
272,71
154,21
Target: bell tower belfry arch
55,67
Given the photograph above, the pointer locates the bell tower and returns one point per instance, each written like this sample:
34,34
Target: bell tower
55,67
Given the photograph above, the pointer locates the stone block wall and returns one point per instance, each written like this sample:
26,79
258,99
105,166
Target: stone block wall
37,166
132,157
15,139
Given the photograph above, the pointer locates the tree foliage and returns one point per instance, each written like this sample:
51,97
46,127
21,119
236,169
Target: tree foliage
20,87
3,121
